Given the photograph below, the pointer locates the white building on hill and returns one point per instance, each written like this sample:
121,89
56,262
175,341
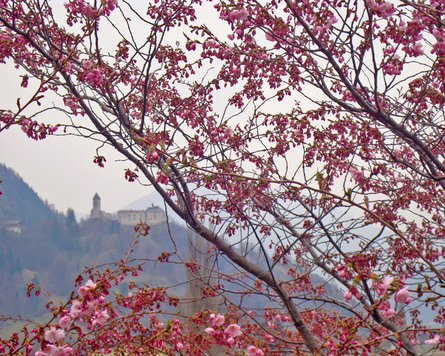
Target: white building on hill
152,215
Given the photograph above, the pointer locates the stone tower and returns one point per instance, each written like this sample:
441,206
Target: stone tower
95,212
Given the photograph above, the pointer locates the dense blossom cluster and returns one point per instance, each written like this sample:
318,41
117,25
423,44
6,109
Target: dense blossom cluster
309,134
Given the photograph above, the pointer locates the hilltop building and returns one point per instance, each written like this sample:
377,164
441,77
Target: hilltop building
152,215
96,212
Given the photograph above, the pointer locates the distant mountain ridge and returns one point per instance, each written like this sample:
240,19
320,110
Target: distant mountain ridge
19,201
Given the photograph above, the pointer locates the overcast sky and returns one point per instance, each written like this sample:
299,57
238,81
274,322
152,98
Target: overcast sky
61,170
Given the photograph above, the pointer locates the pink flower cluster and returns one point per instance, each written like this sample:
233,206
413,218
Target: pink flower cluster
37,131
385,9
51,347
89,305
401,296
253,351
92,75
232,331
152,156
384,285
439,46
241,15
78,8
72,104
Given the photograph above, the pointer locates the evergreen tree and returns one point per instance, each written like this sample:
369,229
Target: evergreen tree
72,231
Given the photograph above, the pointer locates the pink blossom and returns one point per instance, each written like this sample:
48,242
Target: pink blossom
162,178
68,67
416,49
210,331
388,312
285,318
371,3
108,6
64,321
63,351
271,325
90,307
53,350
54,335
388,50
242,15
403,296
101,317
179,346
356,174
84,290
95,78
269,338
211,44
76,309
384,285
71,104
269,37
231,341
53,129
253,351
435,340
385,9
219,320
347,295
439,48
414,341
386,281
152,156
87,64
233,330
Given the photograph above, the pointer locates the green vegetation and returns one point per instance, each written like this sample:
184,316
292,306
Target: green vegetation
54,248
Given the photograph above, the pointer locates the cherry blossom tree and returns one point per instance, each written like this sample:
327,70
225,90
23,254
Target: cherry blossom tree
310,134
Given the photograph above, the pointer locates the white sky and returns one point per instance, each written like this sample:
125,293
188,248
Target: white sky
61,170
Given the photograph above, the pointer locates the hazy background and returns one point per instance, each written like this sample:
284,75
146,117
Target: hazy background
61,170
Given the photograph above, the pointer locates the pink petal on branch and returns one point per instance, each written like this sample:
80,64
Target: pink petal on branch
253,351
54,335
64,321
233,330
347,295
210,331
403,296
242,15
231,341
388,312
219,320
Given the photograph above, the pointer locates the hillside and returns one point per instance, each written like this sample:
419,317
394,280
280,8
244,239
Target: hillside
52,249
19,201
